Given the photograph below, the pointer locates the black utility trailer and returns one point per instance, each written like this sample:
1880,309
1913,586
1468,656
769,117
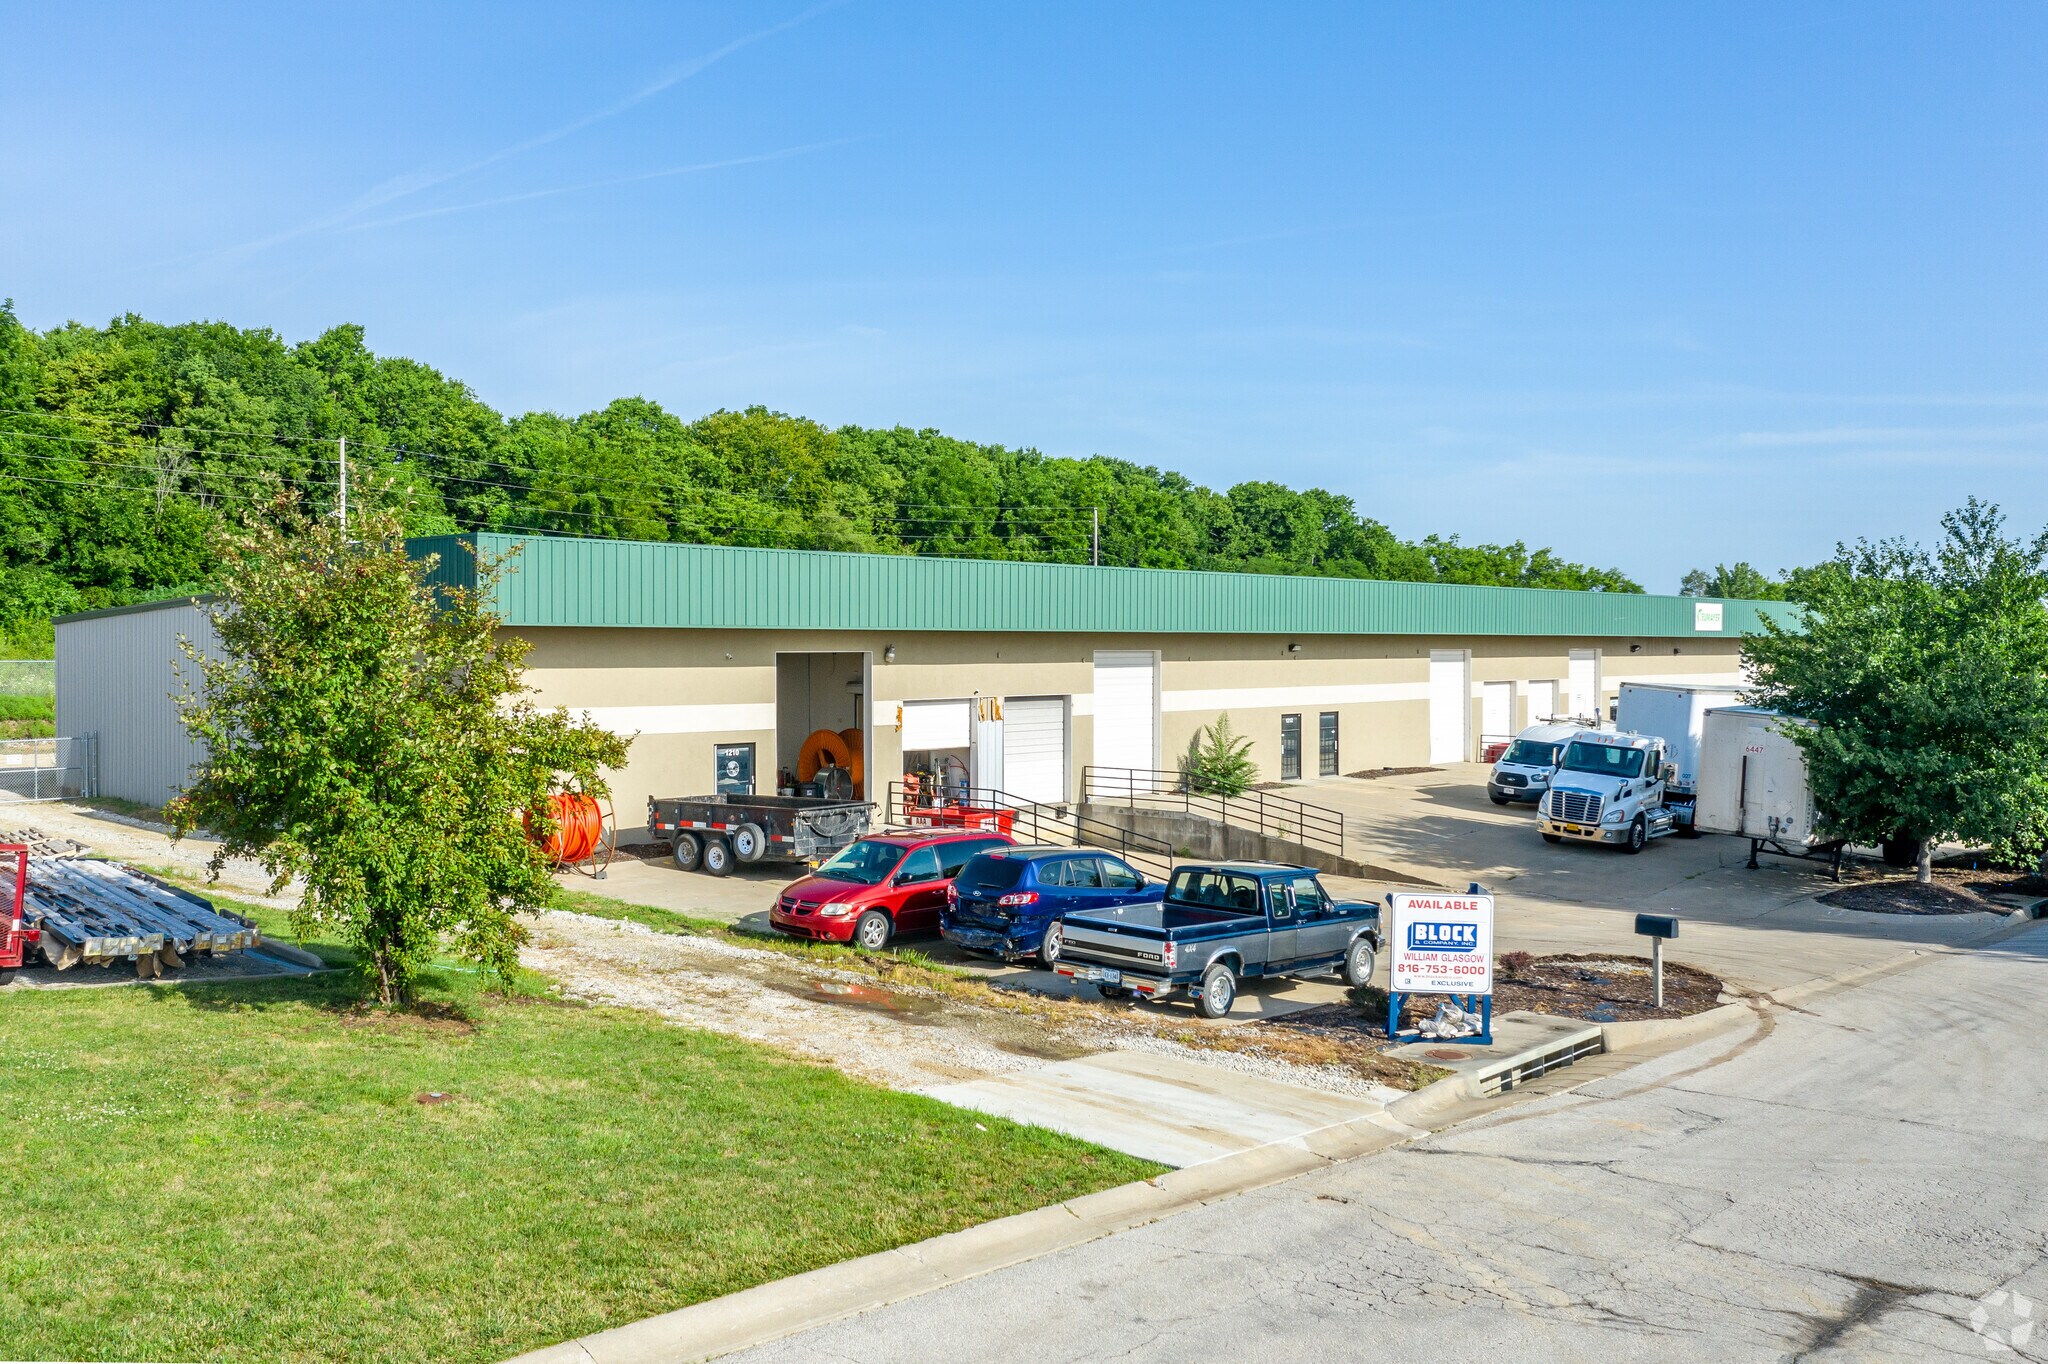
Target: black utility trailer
714,832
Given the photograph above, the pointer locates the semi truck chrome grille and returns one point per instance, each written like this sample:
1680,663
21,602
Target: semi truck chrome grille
1575,807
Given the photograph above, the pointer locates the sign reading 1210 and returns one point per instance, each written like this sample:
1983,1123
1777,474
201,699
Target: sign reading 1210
1442,944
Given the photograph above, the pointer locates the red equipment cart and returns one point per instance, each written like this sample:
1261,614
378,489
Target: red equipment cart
16,937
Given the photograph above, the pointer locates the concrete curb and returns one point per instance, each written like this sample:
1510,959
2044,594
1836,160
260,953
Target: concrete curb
284,951
1646,1032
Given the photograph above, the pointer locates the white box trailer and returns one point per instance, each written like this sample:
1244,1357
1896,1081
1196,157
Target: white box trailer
1753,777
1676,714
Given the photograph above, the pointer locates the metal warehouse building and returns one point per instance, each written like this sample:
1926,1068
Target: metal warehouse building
1017,676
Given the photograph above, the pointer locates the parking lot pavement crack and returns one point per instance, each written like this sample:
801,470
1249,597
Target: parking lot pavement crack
1844,1114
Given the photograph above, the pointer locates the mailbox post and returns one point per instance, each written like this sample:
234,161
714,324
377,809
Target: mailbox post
1657,927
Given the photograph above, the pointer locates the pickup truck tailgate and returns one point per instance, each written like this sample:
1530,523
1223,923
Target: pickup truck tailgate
1096,938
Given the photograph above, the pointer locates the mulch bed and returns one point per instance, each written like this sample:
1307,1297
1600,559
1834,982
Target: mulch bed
1372,772
1954,890
1598,987
646,852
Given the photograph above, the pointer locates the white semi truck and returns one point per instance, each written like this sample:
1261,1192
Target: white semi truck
1608,788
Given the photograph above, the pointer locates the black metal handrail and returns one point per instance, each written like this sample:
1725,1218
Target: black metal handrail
1314,826
1028,821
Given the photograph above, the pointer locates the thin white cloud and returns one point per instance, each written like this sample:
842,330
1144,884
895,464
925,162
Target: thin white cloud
1892,435
415,182
779,155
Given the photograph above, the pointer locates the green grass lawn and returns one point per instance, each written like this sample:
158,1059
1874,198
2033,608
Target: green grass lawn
243,1171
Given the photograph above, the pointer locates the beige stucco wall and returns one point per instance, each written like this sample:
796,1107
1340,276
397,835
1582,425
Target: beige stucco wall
686,691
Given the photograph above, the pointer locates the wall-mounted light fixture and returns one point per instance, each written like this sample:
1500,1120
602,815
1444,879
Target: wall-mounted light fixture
1635,648
1293,648
889,654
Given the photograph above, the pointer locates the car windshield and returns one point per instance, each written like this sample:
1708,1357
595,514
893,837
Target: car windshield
1531,753
1606,760
864,863
986,873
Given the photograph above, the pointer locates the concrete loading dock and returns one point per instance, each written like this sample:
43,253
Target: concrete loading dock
1019,675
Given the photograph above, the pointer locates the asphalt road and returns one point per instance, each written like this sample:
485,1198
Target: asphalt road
1853,1182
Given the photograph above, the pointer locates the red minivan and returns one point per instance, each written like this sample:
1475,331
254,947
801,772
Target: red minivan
885,884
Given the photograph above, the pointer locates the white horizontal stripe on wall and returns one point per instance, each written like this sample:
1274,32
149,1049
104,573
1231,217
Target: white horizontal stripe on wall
1268,698
681,719
1733,679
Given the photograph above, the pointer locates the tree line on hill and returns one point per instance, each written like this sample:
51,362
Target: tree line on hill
127,449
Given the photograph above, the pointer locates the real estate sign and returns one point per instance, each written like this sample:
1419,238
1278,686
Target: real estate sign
1442,944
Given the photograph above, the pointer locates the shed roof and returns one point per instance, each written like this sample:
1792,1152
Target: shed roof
561,580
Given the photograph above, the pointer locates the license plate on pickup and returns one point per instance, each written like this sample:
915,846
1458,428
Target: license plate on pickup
1107,975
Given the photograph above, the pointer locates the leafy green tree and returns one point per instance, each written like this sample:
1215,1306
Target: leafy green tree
1740,581
373,739
1218,762
1926,679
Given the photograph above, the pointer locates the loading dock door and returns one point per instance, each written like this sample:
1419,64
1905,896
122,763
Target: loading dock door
1127,709
1035,747
1582,686
1450,706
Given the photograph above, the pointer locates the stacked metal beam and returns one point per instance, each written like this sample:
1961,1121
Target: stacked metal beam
98,912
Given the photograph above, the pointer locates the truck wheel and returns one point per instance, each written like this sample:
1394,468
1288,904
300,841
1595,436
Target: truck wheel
749,843
1553,838
1638,835
717,857
1049,949
6,975
1219,990
687,852
873,930
1358,964
1496,798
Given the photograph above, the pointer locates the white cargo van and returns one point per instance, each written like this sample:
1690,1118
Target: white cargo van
1676,714
1522,772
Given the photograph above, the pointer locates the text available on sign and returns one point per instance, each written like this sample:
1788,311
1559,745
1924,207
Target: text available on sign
1442,944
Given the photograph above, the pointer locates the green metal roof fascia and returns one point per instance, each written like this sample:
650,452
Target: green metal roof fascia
567,581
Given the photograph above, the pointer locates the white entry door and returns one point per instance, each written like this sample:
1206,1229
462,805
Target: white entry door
1127,709
1035,747
1496,711
1582,686
1450,706
1542,701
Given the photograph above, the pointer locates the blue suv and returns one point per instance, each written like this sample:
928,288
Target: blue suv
1004,900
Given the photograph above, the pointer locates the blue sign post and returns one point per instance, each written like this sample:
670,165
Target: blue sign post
1442,945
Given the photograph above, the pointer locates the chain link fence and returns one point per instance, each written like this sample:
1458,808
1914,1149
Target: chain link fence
46,769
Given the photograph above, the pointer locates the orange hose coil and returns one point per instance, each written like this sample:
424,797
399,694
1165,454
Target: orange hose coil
822,744
856,761
579,824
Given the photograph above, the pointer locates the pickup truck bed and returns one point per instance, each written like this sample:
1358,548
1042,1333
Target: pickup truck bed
1290,927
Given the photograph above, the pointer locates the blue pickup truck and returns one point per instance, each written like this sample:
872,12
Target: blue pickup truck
1218,924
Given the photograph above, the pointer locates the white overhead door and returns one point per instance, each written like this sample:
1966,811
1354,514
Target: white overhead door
1496,711
935,724
1035,747
1127,709
1582,684
1542,701
1450,706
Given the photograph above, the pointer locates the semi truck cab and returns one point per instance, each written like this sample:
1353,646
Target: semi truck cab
1608,788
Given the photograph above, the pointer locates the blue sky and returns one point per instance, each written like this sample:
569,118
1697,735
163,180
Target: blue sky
1654,284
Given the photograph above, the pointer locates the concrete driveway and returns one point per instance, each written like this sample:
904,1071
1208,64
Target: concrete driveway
1863,1182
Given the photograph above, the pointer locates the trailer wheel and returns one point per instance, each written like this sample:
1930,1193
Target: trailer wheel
1638,835
686,852
749,843
1219,990
1358,964
717,857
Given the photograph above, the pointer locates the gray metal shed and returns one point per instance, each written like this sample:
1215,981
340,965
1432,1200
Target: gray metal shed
117,670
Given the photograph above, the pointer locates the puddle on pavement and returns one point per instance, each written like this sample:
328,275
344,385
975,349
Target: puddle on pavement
847,994
1018,1037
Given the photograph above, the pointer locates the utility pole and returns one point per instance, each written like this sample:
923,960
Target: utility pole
1095,536
342,446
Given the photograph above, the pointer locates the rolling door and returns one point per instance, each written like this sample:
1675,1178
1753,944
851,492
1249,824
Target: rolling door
1450,706
1127,709
1035,748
